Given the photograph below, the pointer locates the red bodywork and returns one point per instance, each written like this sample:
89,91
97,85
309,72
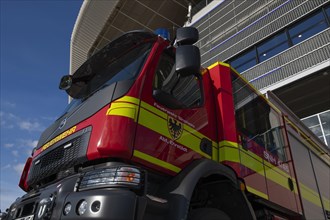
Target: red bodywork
145,139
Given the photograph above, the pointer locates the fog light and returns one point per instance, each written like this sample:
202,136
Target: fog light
82,207
96,206
67,208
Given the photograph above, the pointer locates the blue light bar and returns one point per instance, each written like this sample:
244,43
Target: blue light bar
163,32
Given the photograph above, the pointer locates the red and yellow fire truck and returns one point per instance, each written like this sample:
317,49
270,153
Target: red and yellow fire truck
150,134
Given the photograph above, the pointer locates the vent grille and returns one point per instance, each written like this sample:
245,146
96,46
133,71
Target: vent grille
59,159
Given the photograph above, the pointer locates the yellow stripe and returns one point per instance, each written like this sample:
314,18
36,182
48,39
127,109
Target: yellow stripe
153,122
156,120
272,173
124,109
279,179
164,116
313,197
326,203
228,143
218,63
153,109
256,192
156,161
159,125
252,163
310,195
229,154
229,151
128,99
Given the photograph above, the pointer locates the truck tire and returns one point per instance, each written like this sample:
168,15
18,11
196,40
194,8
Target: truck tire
207,214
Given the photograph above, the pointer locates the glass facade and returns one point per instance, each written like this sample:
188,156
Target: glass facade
308,27
280,41
273,46
245,61
320,125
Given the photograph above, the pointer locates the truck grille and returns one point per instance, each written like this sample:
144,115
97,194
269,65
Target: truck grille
62,157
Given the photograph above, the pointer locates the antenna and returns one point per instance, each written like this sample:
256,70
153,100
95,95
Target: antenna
189,16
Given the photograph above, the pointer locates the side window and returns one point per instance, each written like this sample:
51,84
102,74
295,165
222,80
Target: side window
257,121
173,90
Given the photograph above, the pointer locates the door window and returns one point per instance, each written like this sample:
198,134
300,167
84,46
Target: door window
171,89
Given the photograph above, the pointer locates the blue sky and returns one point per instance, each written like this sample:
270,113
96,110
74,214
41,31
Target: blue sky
35,53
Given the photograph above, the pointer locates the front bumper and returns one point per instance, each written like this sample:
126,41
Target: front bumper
49,203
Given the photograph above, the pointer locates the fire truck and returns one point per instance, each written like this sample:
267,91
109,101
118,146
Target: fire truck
150,135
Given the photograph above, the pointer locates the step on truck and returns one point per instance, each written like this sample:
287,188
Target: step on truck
150,134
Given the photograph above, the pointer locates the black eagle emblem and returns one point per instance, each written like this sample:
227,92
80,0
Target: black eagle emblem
175,128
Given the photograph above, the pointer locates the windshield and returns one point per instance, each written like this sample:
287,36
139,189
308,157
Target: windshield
120,60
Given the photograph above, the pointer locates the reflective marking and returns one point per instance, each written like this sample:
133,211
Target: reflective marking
156,161
128,99
59,137
124,109
218,64
256,192
158,124
67,145
310,195
229,154
228,143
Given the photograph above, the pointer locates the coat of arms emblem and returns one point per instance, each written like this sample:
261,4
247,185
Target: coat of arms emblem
174,127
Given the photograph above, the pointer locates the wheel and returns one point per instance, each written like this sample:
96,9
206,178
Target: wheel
207,214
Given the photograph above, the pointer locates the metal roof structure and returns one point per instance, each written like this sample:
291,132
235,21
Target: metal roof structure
99,22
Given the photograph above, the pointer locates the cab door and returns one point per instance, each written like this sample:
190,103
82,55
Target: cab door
174,124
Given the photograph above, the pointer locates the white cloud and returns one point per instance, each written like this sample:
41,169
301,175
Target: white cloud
15,153
8,104
9,192
10,120
29,143
8,145
30,126
19,168
48,118
8,166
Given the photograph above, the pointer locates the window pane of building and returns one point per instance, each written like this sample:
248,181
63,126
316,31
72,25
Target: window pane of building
319,124
307,28
311,121
327,10
327,137
325,121
244,61
316,130
273,46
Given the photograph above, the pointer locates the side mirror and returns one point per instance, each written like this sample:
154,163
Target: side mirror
66,82
187,36
187,60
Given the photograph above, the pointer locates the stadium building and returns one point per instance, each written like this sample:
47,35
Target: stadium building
277,45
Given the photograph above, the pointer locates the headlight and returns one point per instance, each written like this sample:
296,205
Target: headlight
82,207
125,176
67,209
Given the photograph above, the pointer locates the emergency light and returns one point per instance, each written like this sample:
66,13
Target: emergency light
163,32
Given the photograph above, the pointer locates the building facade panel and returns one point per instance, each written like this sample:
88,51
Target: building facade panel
230,31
